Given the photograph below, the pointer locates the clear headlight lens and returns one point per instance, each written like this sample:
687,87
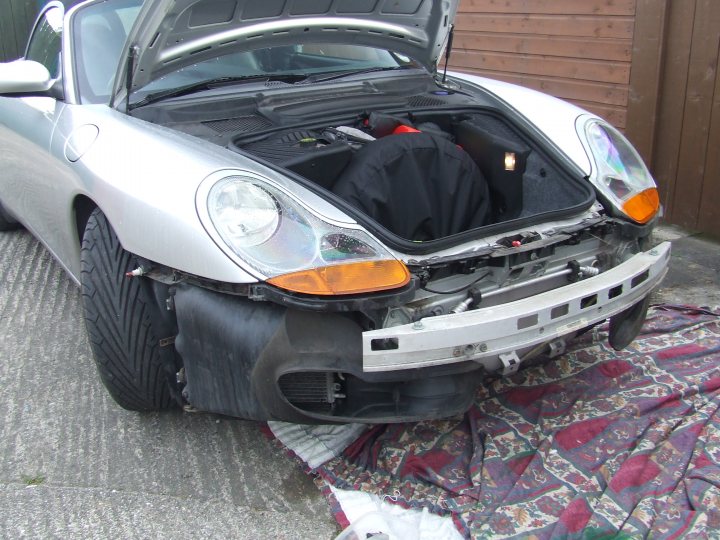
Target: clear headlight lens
244,214
621,174
267,231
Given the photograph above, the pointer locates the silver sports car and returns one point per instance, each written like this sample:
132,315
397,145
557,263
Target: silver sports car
288,209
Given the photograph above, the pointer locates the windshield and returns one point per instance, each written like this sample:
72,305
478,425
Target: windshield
291,63
99,33
100,30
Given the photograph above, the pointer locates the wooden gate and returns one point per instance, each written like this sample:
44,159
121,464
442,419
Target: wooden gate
674,110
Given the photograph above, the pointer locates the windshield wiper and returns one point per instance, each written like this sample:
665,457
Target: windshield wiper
322,77
210,85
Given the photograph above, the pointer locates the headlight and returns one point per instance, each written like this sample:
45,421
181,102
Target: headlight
270,234
244,214
620,173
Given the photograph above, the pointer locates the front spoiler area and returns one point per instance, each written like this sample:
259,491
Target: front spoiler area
236,354
483,335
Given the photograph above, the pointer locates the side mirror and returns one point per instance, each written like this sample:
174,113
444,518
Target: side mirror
24,77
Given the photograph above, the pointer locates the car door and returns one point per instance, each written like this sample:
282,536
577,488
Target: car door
30,176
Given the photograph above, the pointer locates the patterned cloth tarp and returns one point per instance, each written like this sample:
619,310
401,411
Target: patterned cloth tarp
593,444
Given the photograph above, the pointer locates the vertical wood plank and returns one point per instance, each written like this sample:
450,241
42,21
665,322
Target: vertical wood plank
698,110
709,215
18,15
580,47
7,32
645,74
664,165
16,19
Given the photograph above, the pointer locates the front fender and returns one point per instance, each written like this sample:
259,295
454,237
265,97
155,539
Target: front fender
144,178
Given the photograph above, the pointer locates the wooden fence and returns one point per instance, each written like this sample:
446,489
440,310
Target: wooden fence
16,20
674,110
579,50
648,66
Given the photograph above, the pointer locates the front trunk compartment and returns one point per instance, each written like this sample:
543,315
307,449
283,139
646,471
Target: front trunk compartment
426,176
507,175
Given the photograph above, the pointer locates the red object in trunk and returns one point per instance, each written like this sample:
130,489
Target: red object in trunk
405,129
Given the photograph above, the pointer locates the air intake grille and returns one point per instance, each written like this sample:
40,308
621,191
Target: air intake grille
276,84
424,101
239,124
309,391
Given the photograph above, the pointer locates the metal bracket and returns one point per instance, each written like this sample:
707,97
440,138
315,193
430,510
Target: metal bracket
556,347
511,363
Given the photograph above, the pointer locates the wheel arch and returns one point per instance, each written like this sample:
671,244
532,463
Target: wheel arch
126,324
7,220
82,207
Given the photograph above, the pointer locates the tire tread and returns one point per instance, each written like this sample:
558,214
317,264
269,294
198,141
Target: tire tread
119,323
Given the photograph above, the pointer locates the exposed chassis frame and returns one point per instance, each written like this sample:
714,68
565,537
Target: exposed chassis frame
483,335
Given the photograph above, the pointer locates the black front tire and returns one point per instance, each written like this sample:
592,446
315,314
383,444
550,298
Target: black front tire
7,223
123,320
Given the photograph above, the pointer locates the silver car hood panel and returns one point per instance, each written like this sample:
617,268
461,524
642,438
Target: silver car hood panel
171,34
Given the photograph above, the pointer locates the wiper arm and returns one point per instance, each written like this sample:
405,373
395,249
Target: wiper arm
209,85
320,77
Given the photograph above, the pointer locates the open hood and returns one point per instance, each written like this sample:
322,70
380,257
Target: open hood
171,34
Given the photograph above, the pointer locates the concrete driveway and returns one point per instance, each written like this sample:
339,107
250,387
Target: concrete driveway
75,465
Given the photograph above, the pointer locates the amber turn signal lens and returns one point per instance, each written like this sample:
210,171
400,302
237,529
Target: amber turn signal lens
351,278
643,206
